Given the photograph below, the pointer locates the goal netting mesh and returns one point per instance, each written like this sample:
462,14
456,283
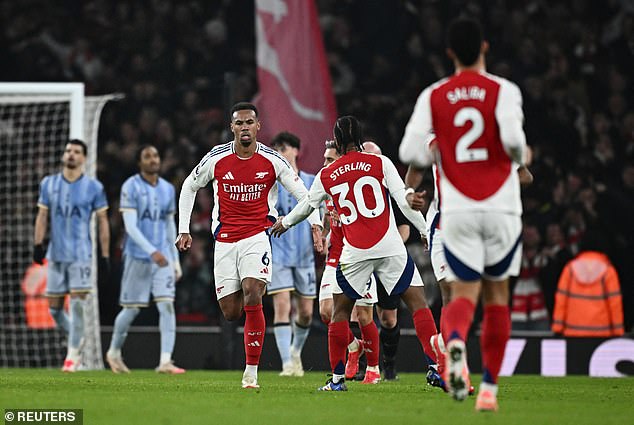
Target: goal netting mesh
34,128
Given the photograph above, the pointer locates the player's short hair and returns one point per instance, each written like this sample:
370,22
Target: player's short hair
348,132
81,143
465,37
330,144
139,151
285,138
241,106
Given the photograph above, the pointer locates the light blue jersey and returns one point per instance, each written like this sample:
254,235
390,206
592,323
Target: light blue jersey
295,247
70,205
154,206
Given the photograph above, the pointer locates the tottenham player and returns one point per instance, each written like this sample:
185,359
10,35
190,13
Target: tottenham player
69,198
293,270
243,173
358,184
151,265
363,310
477,121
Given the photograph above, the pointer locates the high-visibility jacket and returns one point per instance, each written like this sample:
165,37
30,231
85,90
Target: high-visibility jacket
588,301
36,308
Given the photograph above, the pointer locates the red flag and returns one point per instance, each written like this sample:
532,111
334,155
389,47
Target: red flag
295,89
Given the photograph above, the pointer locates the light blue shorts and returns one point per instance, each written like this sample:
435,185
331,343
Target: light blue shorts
143,278
63,278
299,279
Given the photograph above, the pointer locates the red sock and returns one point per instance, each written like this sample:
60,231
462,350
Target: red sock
425,329
254,327
351,336
338,334
458,316
370,335
496,330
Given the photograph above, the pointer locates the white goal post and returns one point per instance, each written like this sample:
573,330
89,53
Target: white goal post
36,121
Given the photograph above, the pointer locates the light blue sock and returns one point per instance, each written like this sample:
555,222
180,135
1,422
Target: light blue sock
167,326
61,318
283,335
76,322
300,334
121,325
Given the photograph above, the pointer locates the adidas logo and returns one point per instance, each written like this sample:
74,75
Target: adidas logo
228,176
254,344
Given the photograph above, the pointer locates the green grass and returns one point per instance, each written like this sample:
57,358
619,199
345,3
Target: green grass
214,397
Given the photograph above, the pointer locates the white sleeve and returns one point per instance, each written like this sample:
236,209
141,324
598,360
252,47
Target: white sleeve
295,186
129,221
414,149
398,191
170,234
197,179
510,118
186,205
308,205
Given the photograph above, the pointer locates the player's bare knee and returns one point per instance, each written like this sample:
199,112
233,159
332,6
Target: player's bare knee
388,318
232,314
303,319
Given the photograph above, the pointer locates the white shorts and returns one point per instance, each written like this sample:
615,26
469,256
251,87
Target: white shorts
481,244
235,261
302,280
437,255
396,273
329,281
62,278
142,278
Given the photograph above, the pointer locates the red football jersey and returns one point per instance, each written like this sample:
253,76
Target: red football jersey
245,191
360,185
477,122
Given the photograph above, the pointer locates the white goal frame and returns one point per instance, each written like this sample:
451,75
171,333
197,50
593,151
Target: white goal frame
79,128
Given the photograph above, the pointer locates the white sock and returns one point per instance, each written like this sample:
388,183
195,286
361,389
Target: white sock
372,369
485,386
251,369
73,353
336,378
114,352
354,345
166,358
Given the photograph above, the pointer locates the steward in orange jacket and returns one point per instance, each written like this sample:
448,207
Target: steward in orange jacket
588,301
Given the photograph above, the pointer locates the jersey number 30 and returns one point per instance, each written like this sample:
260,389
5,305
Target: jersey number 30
463,153
359,205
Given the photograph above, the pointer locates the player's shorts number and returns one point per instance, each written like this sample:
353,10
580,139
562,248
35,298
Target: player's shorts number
463,153
357,191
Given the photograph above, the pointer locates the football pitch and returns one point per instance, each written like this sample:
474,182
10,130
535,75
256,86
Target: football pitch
215,397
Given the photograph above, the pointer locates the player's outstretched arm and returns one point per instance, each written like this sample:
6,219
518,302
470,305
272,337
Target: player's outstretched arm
397,189
278,229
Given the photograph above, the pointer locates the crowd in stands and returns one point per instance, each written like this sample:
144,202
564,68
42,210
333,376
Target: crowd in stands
180,63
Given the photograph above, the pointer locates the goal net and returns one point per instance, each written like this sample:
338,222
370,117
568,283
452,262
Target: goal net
36,122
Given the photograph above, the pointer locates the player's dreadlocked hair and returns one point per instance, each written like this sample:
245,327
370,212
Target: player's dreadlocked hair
348,132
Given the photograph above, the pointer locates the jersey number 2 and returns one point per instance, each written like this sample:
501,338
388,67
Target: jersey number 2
463,153
357,191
